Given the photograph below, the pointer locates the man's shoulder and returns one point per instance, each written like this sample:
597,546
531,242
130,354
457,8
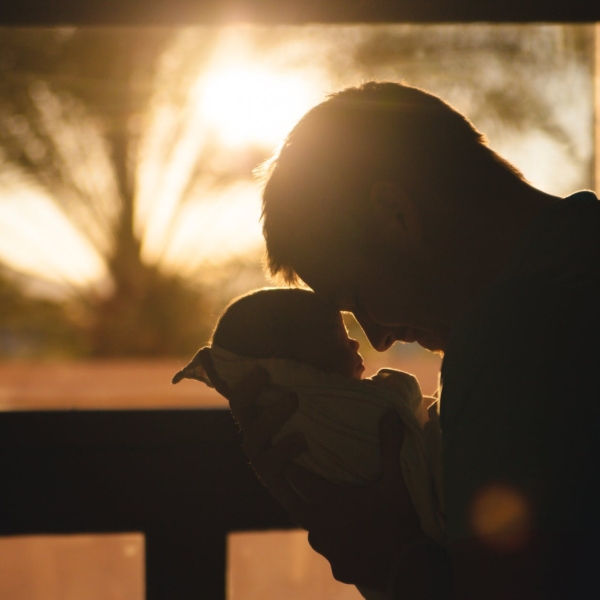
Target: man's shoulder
549,290
526,316
561,245
583,203
574,217
527,345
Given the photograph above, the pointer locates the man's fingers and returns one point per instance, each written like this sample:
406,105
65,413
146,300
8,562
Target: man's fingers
319,543
244,395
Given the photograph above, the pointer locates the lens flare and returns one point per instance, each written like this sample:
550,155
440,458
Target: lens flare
501,517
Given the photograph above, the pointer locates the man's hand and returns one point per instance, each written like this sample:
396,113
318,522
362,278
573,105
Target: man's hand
360,530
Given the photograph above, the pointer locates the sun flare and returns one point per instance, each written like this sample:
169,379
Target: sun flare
250,104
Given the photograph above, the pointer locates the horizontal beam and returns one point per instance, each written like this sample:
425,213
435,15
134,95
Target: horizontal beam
179,477
214,12
78,472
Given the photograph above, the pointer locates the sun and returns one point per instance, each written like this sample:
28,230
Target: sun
247,104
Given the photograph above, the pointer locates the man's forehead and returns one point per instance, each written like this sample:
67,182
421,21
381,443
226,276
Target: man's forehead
330,277
332,291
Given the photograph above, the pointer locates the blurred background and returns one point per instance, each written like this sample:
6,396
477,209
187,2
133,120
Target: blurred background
129,213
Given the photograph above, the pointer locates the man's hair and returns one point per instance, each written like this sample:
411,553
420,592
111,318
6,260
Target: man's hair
270,322
327,164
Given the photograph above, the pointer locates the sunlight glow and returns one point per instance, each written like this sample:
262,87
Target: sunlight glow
247,104
204,112
36,238
165,171
223,226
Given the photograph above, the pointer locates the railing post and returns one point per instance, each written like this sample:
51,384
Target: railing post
597,107
185,566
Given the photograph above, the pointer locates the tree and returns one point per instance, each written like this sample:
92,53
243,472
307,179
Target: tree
35,327
71,114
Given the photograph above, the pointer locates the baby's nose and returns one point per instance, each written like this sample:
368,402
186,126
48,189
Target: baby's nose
354,344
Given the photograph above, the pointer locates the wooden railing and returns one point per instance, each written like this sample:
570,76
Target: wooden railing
179,477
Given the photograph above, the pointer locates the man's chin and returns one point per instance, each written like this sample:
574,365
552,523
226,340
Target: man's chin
431,340
428,339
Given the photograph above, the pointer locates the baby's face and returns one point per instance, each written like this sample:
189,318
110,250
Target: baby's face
328,348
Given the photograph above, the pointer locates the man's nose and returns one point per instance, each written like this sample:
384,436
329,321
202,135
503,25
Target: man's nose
381,337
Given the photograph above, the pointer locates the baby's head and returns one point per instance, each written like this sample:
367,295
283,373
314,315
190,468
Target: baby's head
289,323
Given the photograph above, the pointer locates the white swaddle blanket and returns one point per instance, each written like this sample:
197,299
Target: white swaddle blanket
339,418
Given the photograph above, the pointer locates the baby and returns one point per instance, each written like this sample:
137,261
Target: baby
303,344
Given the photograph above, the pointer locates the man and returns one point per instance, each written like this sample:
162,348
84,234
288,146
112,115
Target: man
391,205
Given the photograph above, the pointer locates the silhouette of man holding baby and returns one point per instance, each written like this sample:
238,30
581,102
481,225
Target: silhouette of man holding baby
389,204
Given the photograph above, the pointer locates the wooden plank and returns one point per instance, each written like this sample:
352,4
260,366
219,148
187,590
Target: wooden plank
179,477
141,384
101,384
186,12
127,470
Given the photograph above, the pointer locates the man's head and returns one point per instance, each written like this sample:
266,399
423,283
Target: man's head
369,201
289,323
